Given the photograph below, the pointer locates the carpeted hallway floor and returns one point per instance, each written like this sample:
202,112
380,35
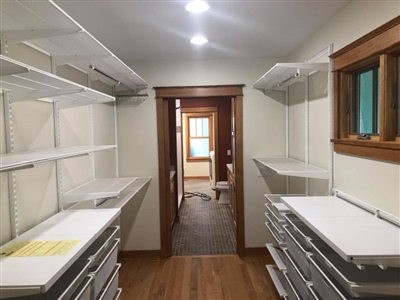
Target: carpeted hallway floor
204,227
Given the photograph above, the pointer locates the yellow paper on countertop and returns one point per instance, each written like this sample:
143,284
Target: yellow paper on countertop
39,248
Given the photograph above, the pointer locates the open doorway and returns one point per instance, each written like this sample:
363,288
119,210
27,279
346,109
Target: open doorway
206,223
166,112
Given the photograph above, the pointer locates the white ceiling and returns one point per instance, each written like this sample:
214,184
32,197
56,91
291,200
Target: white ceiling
142,30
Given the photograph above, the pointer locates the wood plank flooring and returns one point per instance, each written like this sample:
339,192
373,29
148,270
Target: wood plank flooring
197,277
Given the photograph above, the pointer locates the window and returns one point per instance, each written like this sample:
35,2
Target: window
366,95
365,102
199,136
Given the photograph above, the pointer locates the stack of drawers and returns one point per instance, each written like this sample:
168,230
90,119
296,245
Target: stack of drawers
94,276
311,270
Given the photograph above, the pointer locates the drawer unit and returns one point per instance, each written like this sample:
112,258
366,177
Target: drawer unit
300,230
297,277
103,268
110,289
278,278
278,256
278,240
291,291
370,280
70,283
84,290
327,286
276,227
299,251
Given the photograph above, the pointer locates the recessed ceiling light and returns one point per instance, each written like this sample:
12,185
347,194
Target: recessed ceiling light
197,6
199,40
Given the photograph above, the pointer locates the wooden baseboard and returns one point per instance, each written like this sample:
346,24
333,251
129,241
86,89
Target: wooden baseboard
140,254
256,251
196,178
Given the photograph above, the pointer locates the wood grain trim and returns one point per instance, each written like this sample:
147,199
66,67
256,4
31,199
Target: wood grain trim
239,175
372,47
199,91
369,143
260,251
378,31
386,154
196,177
388,112
139,254
199,109
341,105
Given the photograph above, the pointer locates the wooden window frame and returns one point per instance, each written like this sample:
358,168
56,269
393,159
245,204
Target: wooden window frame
380,47
210,117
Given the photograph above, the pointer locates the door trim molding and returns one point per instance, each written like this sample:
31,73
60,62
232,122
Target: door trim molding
163,94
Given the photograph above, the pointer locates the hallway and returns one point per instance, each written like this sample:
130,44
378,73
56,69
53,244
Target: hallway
204,227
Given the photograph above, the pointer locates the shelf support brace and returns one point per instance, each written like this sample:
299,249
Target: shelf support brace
12,178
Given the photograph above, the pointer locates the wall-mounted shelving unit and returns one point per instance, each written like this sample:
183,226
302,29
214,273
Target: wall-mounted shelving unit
22,160
99,188
46,26
282,74
291,167
29,83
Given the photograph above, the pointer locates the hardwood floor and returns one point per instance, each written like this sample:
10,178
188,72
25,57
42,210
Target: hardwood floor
197,277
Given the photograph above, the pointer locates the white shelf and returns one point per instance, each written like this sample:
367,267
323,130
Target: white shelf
45,25
128,193
23,160
29,83
29,275
283,74
98,189
356,235
291,167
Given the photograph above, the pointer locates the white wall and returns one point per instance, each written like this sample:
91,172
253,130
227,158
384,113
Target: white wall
263,135
373,181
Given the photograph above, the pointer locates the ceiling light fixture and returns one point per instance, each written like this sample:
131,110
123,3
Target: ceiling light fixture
197,6
199,40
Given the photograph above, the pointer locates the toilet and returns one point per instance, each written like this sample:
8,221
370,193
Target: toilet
222,186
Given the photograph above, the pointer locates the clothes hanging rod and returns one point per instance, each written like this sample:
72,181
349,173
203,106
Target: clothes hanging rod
109,77
295,75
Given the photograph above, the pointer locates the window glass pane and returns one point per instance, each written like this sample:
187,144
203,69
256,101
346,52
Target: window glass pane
366,102
205,127
192,126
199,147
199,127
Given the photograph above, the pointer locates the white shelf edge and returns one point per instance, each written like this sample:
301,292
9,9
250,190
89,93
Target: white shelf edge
43,85
111,188
282,74
308,171
22,160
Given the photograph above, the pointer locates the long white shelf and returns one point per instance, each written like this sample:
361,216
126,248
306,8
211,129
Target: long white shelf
356,235
133,189
33,275
291,167
29,83
283,74
23,160
98,189
45,25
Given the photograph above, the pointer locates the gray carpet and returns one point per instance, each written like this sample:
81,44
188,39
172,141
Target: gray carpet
204,227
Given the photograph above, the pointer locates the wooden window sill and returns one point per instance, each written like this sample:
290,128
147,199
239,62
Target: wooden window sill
388,151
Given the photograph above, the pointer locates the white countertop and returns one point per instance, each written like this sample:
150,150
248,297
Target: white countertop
351,231
43,271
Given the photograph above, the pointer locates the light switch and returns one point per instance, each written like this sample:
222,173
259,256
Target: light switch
228,152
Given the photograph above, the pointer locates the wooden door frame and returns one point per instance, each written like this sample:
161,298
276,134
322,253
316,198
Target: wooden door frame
163,94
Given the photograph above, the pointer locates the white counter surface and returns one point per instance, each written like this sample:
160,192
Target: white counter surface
41,272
